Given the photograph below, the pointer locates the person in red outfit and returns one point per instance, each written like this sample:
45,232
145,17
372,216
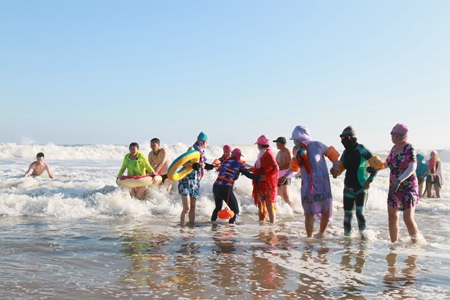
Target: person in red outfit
265,192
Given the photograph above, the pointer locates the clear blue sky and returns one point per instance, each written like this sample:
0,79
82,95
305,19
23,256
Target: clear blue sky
112,72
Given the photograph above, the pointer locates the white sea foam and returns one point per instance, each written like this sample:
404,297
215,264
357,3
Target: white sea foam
84,185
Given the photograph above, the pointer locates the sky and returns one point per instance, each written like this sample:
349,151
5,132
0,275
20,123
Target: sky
114,72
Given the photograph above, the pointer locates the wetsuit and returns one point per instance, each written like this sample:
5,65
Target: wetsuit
229,172
354,160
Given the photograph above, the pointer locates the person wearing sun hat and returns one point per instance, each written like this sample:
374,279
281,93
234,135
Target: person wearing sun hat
229,172
315,191
354,160
189,186
265,192
403,192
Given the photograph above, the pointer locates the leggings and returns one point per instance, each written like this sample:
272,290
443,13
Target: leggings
224,193
352,199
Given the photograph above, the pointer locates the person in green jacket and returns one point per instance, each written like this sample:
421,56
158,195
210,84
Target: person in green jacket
137,165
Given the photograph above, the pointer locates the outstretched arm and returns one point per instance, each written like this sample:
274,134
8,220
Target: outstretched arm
250,175
47,167
30,168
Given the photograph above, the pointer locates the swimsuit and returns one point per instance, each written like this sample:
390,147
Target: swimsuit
190,185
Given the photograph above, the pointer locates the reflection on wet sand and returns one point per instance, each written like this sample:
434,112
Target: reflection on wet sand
188,268
267,277
353,284
149,261
225,262
398,284
310,286
228,265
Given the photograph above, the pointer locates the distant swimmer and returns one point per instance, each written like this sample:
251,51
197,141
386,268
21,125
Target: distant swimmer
38,167
159,159
136,164
283,159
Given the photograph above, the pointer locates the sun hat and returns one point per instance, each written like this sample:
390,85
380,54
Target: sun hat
263,140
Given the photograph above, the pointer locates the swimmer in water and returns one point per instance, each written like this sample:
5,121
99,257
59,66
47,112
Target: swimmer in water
38,167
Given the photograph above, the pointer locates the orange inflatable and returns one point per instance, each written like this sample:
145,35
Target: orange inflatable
225,213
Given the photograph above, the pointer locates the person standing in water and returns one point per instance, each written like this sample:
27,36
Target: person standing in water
159,159
136,164
265,192
226,155
283,159
315,192
403,186
189,186
435,178
421,173
38,167
354,160
229,172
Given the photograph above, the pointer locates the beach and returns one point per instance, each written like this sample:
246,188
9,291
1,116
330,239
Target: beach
80,236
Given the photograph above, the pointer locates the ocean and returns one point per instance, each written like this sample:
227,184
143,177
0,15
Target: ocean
80,236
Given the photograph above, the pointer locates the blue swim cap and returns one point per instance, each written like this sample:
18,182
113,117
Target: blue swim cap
202,137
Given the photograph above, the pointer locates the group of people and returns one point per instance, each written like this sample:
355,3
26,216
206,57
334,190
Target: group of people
271,175
136,164
430,173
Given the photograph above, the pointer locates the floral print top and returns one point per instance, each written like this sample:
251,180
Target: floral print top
407,194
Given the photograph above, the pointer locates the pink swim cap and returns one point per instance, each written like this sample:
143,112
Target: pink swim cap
400,129
263,140
227,148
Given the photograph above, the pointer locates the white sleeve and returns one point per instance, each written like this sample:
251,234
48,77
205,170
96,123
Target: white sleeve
409,171
288,173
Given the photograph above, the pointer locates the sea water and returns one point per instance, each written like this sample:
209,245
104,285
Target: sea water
80,236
